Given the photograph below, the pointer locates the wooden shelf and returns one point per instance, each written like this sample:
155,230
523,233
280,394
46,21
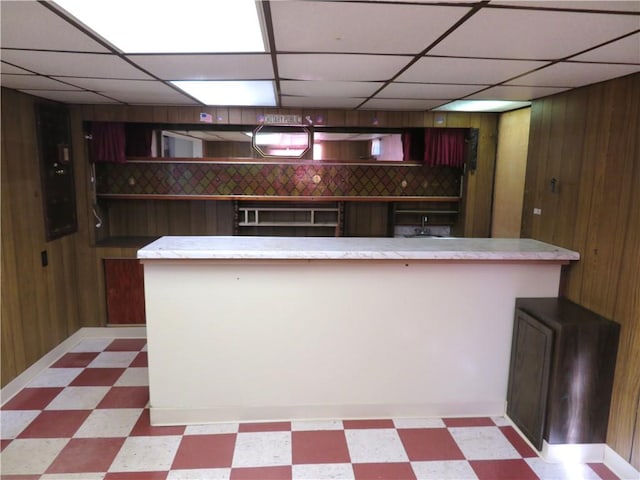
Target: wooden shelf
429,212
125,242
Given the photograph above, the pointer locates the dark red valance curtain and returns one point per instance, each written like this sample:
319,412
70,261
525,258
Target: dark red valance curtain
138,140
444,146
108,142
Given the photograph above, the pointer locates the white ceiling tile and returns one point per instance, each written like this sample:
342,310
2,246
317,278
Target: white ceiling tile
152,99
133,91
320,102
626,50
144,93
617,5
568,74
312,26
32,82
515,93
427,90
6,68
66,96
328,89
33,26
207,67
529,34
336,67
511,38
113,85
466,70
401,104
73,64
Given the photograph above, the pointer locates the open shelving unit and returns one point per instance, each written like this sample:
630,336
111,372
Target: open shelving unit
282,218
441,213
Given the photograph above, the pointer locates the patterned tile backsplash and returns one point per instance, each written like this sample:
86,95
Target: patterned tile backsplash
200,179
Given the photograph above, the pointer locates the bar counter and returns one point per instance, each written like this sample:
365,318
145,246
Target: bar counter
275,328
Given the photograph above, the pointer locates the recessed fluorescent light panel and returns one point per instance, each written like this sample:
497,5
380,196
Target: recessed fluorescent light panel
251,93
173,26
481,106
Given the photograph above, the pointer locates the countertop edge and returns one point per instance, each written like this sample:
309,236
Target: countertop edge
330,248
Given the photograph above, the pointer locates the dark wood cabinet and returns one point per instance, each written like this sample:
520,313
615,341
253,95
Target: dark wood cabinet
561,373
124,282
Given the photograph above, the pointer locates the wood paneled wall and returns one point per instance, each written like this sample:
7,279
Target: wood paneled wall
38,303
165,217
366,219
478,184
511,165
588,140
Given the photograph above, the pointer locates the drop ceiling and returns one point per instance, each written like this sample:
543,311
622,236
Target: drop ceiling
368,55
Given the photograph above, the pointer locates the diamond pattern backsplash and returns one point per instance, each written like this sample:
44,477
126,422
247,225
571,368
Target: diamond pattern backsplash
210,180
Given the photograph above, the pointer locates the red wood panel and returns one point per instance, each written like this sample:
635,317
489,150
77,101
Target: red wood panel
124,283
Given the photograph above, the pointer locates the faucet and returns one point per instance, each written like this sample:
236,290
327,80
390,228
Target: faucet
423,226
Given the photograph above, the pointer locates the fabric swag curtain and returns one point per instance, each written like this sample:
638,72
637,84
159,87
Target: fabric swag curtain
108,142
115,141
444,146
435,146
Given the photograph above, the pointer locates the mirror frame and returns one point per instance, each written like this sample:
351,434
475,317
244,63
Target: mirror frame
278,128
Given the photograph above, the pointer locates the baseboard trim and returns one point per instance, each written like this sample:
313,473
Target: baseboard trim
598,453
22,380
590,453
573,452
168,416
618,465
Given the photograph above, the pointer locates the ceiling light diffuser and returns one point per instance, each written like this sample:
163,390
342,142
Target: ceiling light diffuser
173,26
249,93
481,106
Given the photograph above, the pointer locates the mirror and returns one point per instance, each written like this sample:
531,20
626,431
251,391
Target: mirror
179,145
266,141
281,141
362,145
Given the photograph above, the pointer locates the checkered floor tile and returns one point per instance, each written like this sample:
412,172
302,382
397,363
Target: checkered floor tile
86,417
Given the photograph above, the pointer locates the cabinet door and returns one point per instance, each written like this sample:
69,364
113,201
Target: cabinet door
529,376
124,280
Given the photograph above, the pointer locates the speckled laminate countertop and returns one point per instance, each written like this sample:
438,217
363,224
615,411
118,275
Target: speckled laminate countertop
353,248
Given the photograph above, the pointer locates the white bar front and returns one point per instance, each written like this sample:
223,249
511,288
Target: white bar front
263,340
